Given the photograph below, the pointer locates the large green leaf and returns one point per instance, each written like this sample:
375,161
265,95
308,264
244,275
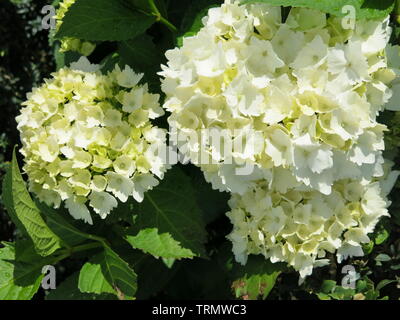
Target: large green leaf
91,278
255,279
366,9
20,271
169,222
104,20
61,226
25,213
108,273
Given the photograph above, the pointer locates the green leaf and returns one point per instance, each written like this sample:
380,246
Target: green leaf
158,245
20,278
323,296
368,247
365,9
61,227
381,236
328,286
361,285
371,295
170,213
255,279
395,267
104,20
91,278
68,290
384,283
108,273
382,232
341,293
119,273
382,257
25,213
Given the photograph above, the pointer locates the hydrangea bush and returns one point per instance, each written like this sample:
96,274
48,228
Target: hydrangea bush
283,114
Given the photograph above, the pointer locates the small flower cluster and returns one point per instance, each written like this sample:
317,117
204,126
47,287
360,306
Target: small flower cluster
300,226
310,90
71,44
87,138
302,97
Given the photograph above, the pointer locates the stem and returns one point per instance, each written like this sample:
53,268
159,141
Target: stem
85,247
60,258
167,23
70,251
160,18
95,238
155,12
154,8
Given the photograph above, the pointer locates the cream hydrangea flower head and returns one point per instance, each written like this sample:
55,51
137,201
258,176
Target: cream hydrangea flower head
297,95
71,44
299,226
88,139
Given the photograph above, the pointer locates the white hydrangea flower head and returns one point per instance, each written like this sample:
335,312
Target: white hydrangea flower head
88,139
300,226
308,95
